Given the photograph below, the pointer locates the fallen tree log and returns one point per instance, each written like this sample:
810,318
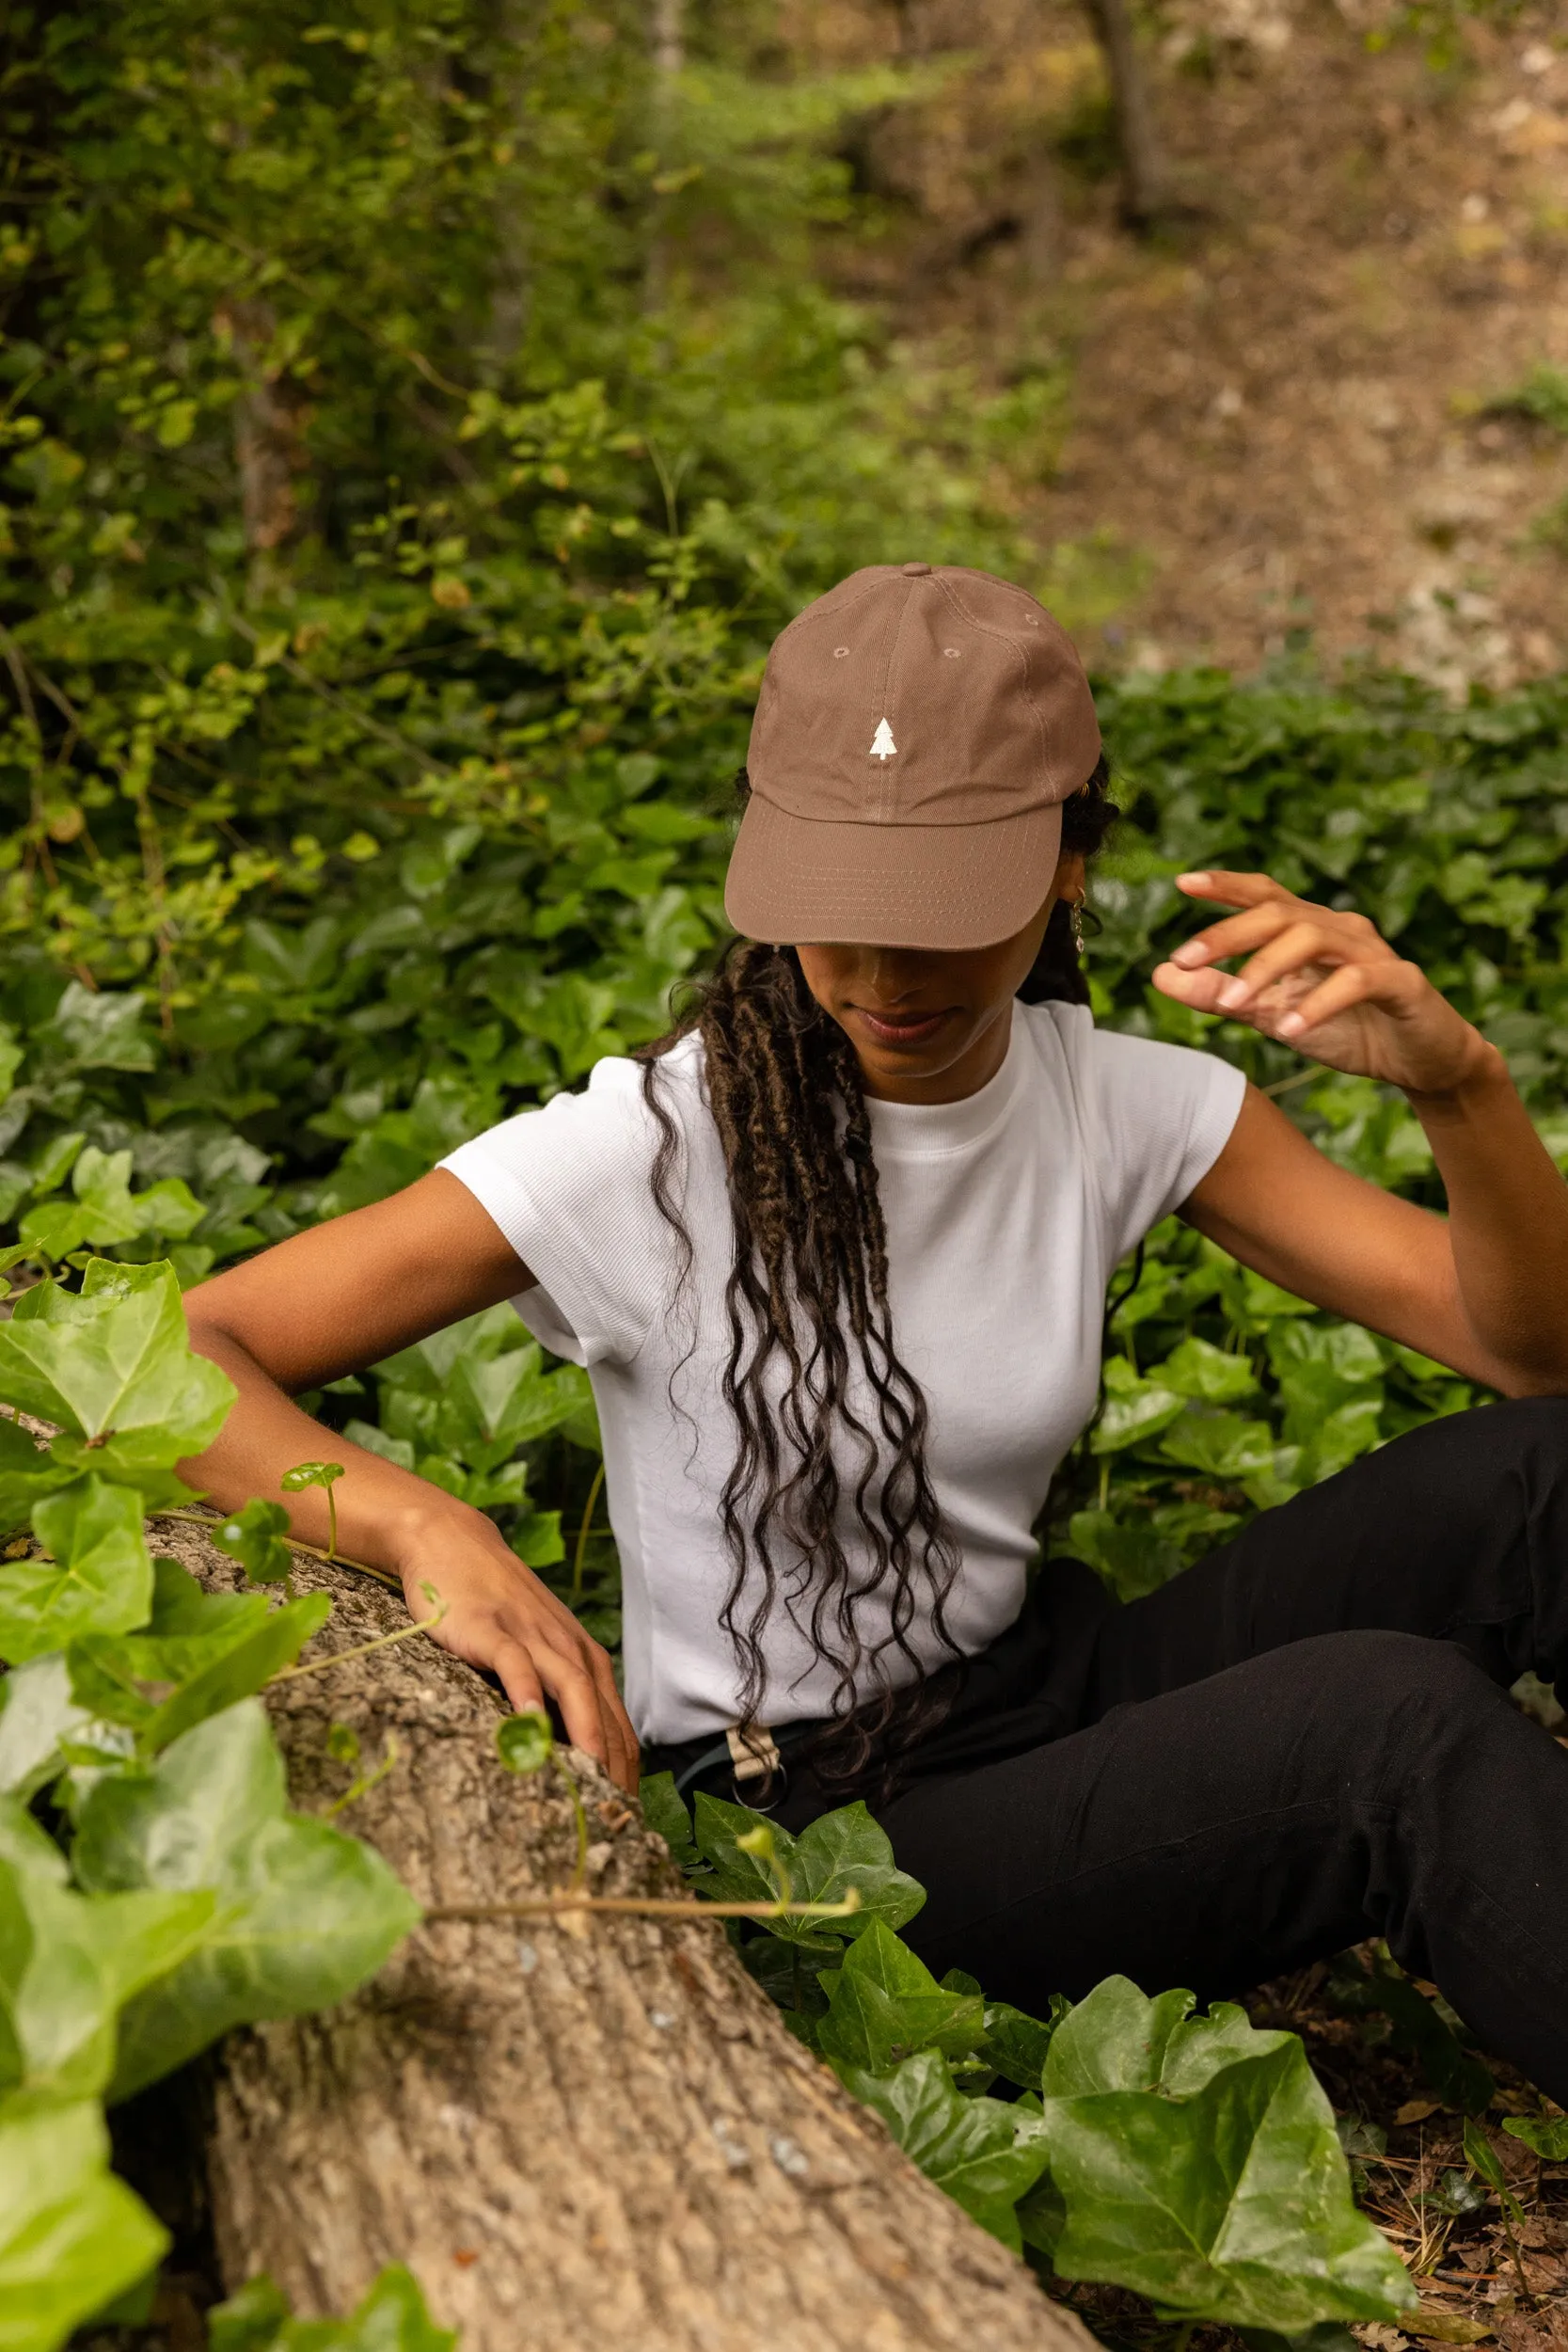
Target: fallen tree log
575,2131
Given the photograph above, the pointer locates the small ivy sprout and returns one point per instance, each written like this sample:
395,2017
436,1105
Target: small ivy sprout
317,1475
759,1844
253,1537
524,1742
342,1744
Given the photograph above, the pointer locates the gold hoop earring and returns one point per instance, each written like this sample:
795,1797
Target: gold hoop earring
1076,919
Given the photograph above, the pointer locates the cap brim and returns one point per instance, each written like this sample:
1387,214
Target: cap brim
796,879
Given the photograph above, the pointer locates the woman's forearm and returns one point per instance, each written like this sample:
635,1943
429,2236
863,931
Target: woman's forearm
1507,1220
385,1517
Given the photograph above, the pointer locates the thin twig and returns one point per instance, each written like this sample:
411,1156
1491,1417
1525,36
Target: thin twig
443,1914
1283,1085
361,1650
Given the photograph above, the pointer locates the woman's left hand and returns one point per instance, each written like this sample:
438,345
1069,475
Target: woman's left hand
1324,982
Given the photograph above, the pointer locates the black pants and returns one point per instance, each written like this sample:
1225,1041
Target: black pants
1305,1740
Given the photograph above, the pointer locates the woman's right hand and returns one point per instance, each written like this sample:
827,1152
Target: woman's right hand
499,1614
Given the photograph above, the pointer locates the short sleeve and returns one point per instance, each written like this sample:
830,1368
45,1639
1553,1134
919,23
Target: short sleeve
1163,1114
570,1186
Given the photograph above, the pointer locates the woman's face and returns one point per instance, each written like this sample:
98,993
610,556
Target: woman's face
930,1025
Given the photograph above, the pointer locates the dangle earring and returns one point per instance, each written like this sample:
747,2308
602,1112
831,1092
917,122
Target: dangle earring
1075,919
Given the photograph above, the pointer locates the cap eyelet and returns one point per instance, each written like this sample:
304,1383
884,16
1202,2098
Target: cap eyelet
952,652
841,653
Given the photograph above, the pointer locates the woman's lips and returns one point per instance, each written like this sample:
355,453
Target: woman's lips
901,1028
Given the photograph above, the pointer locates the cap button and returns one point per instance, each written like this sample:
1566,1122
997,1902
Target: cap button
915,571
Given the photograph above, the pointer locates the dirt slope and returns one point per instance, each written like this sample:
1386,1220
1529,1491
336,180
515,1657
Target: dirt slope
1279,410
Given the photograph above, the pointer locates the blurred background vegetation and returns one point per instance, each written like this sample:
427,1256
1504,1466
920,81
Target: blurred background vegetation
418,419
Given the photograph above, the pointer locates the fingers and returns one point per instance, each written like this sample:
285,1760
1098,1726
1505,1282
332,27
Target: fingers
1231,890
1345,940
1387,984
520,1631
1241,934
518,1679
1200,990
592,1722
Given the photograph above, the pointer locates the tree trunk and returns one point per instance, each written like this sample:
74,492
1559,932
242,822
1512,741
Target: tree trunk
1143,175
269,451
576,2133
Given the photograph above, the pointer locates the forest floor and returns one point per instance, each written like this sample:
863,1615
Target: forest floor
1474,2288
1285,418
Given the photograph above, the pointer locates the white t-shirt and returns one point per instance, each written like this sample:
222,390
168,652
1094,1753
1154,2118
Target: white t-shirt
1005,1215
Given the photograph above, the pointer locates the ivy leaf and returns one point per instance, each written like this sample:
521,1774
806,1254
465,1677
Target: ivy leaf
68,1964
115,1358
101,1028
100,1579
304,1914
37,1715
969,2147
200,1653
840,1849
1017,2045
391,2318
1546,2134
1196,2161
525,1742
26,1474
1213,1374
1131,1559
304,1474
28,1844
664,1812
1483,2159
253,1537
884,2004
71,2236
1135,1409
1115,2038
496,1404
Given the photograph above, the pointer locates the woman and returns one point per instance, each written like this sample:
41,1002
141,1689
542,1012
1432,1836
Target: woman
836,1257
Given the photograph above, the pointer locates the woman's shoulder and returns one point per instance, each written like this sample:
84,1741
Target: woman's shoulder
609,1124
1071,1034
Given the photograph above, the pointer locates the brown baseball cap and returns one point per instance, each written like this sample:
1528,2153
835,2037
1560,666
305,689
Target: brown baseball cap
918,729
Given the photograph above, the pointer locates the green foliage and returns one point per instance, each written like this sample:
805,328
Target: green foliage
885,2005
199,1653
1191,2158
391,2318
525,1742
1196,2160
1456,2075
981,2151
95,1577
1483,2159
1543,396
841,1852
71,2236
304,1914
191,1900
1548,2136
254,1538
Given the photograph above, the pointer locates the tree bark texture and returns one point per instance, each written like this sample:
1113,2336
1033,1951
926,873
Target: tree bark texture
576,2133
269,450
1143,174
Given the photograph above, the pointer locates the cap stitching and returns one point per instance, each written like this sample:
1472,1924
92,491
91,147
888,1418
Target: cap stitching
1022,660
885,783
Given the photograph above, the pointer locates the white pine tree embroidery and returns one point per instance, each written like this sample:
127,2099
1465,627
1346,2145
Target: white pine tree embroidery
882,744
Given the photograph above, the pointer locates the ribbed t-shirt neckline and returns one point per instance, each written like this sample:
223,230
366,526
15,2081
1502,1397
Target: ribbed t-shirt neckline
927,1130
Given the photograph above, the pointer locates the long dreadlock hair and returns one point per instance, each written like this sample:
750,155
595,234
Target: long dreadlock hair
807,1294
